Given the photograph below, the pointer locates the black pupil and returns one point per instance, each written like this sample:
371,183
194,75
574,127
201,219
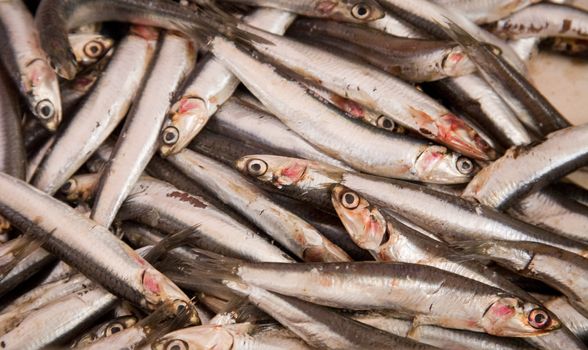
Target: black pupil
181,308
255,167
66,187
540,318
169,136
466,165
387,124
46,110
94,49
362,11
175,347
115,329
349,198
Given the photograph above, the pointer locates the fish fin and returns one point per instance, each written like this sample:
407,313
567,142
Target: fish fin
218,22
208,266
470,250
171,242
163,320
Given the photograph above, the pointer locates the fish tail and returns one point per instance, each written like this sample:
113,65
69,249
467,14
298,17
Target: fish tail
165,319
170,242
471,250
207,268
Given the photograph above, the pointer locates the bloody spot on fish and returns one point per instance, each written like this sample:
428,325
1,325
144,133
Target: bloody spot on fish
326,7
292,173
150,283
351,107
185,197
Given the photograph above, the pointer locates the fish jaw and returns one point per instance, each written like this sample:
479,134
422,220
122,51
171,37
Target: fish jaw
188,116
436,164
508,317
455,133
456,63
365,224
43,94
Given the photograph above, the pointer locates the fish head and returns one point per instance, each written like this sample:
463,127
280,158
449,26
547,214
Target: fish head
187,118
285,171
456,62
210,336
89,48
364,223
437,164
159,290
512,317
43,94
460,136
80,187
355,11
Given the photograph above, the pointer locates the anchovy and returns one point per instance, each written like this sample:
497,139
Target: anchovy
292,232
374,89
27,63
211,86
12,151
105,330
523,170
139,140
544,20
159,204
562,270
486,11
427,293
84,244
414,60
332,133
554,212
443,338
240,336
100,113
430,209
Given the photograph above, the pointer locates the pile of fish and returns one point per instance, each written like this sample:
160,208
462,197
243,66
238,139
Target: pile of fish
289,174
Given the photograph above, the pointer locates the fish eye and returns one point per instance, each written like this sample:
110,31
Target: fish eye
94,49
465,165
350,200
68,187
44,109
256,167
539,318
170,135
361,11
176,344
385,123
113,328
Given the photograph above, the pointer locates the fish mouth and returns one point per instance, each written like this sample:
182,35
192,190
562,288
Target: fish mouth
459,136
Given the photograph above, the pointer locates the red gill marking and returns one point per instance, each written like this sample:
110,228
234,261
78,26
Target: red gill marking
351,107
326,7
187,105
150,283
292,173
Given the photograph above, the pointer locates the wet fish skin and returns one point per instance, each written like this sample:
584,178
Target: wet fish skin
320,327
292,232
443,338
100,113
426,207
418,290
504,181
376,90
544,20
236,119
412,60
331,133
356,11
486,11
210,86
156,203
90,247
12,151
541,262
28,64
140,135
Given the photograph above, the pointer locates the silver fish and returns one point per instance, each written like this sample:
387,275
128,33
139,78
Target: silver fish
139,139
28,64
